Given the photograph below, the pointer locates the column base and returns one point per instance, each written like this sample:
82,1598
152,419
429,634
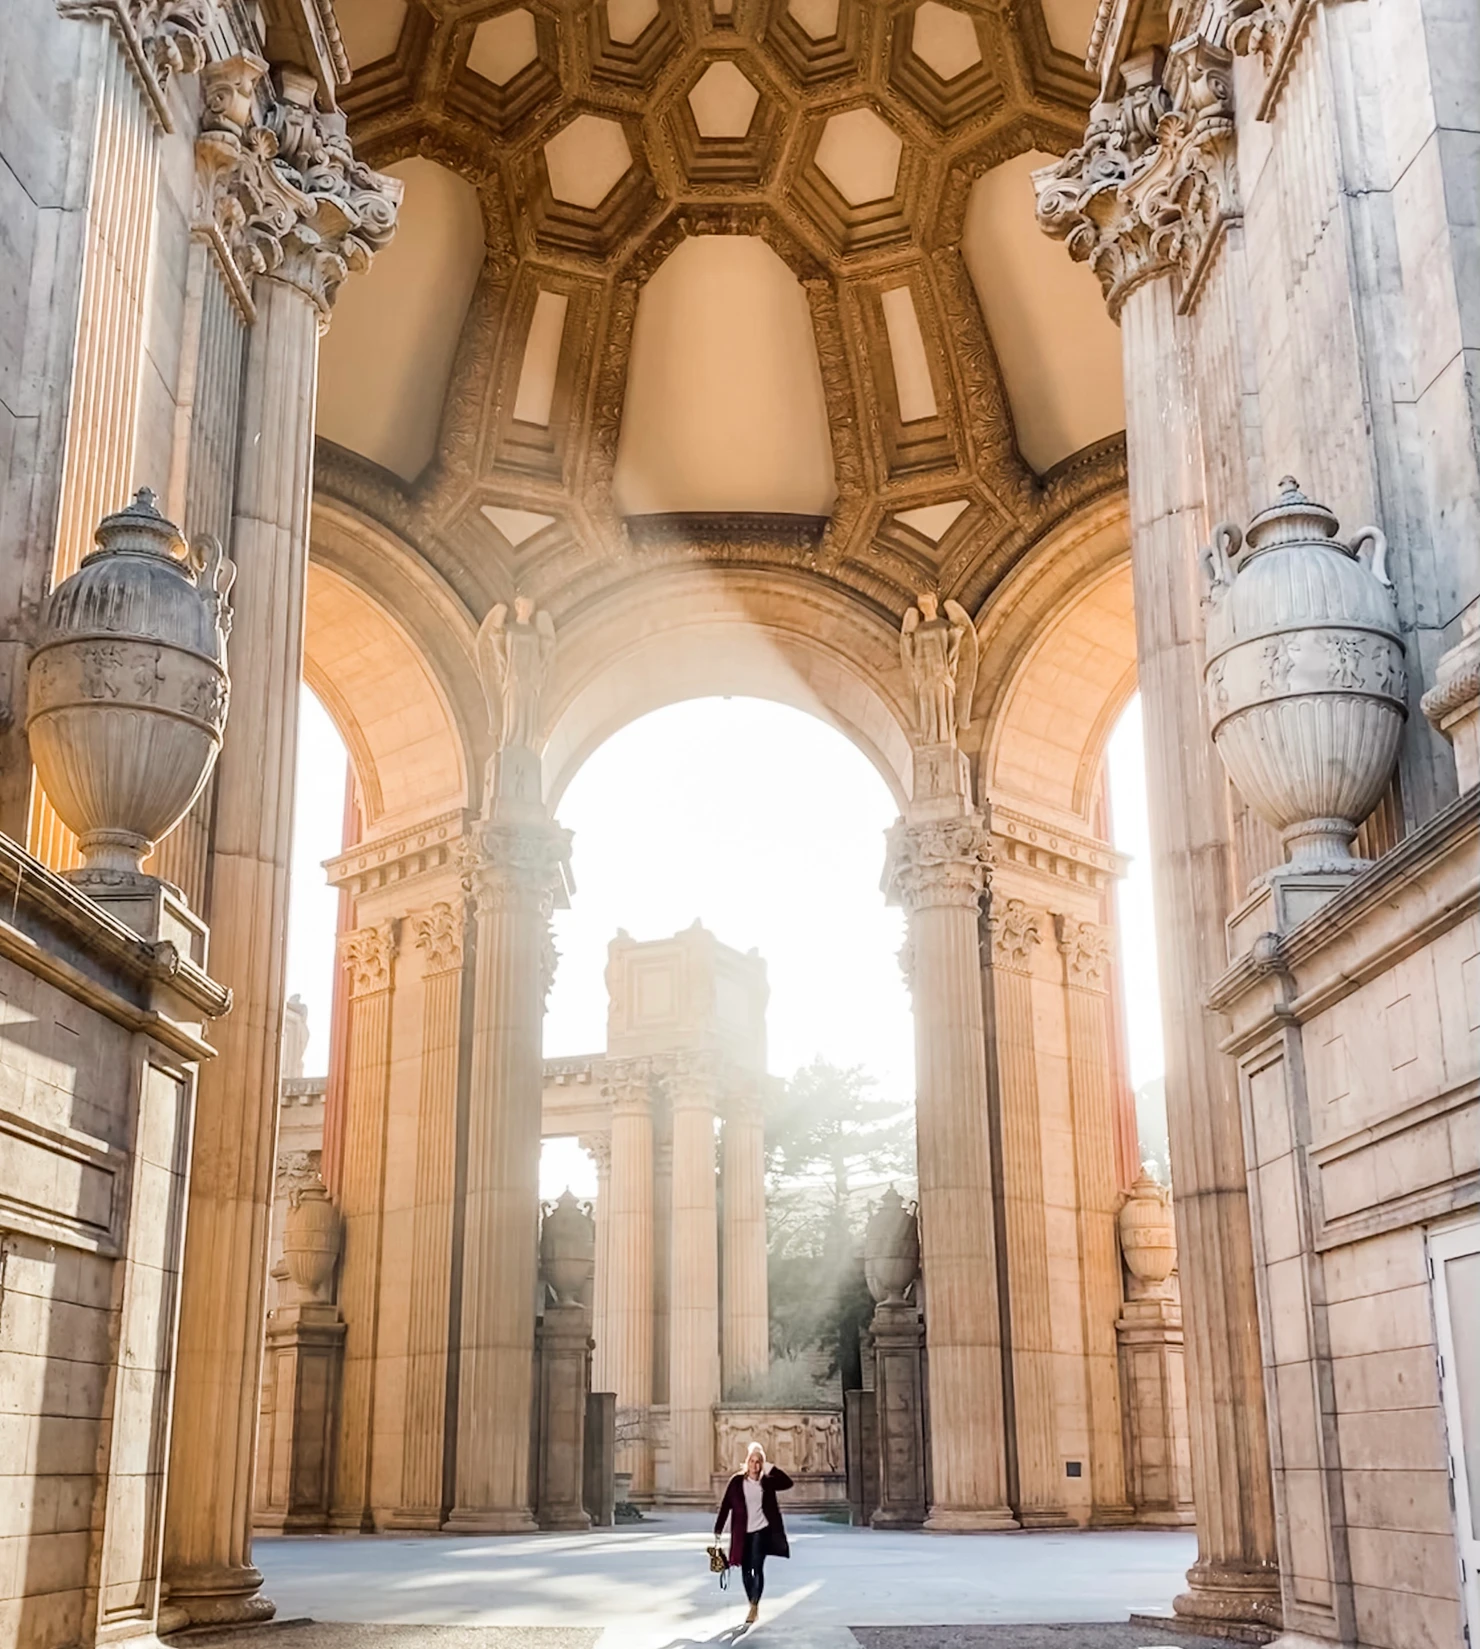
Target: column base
1238,1595
1231,1631
427,1522
989,1520
483,1520
1045,1517
568,1523
882,1519
215,1597
1112,1517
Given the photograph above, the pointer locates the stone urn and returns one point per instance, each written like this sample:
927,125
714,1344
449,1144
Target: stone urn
1306,682
568,1250
891,1249
311,1235
128,687
1148,1238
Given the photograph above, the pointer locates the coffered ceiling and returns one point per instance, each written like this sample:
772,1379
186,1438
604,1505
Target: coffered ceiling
726,280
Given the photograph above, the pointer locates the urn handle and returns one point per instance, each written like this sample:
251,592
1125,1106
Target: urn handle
1376,563
215,573
1217,558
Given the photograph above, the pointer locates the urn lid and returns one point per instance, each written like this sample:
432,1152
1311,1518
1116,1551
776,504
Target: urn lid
1291,519
139,529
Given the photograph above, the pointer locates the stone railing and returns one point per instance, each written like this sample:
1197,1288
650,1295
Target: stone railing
807,1444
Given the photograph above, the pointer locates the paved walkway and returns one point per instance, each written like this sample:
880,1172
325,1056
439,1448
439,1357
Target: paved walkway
648,1586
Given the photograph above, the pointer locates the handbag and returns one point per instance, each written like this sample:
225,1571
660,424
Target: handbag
719,1564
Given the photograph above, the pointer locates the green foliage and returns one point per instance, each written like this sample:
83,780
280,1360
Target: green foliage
828,1140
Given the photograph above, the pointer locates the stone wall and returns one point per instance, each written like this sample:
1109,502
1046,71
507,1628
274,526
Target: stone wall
98,1049
806,1443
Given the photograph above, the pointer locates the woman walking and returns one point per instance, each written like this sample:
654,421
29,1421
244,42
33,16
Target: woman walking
756,1529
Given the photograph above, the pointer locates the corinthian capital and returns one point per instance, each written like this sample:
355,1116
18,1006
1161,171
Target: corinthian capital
279,192
1085,947
367,954
938,862
519,867
1153,185
160,38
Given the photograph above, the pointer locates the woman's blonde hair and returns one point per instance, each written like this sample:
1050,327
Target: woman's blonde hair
753,1448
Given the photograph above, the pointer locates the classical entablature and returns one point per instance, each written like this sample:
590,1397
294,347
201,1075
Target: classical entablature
754,290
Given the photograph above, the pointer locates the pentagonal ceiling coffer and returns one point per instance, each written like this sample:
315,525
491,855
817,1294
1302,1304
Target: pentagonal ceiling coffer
938,60
588,185
505,68
818,40
724,126
632,40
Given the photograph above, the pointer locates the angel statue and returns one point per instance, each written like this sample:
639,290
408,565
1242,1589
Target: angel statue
513,661
940,658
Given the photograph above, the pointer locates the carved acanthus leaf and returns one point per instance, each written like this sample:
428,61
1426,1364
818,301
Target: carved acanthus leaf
439,936
1014,934
161,38
278,189
1086,951
367,953
938,862
1153,184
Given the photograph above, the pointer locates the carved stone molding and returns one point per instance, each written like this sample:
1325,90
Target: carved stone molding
368,954
1014,934
599,1148
278,190
1152,187
938,862
1085,947
439,936
161,38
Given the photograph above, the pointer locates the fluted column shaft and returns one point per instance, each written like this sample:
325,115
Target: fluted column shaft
599,1147
369,962
693,1306
629,1308
746,1337
514,884
439,937
938,870
1014,935
1236,1573
208,1567
1085,949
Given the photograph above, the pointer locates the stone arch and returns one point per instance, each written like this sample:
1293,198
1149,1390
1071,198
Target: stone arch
1059,635
389,651
692,633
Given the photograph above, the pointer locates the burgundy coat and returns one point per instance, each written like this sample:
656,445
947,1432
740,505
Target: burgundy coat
773,1479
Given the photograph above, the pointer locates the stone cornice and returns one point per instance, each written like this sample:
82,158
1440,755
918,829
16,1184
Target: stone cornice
1153,186
433,844
279,193
1027,843
160,38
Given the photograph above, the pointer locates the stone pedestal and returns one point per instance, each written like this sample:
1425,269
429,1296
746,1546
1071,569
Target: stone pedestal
1153,1394
938,870
600,1465
899,1416
565,1383
861,1453
304,1354
519,871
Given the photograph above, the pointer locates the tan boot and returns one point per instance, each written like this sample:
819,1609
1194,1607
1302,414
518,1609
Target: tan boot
754,1615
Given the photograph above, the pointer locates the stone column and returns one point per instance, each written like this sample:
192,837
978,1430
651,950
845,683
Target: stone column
599,1148
746,1336
693,1302
938,870
899,1415
1145,265
1085,949
369,959
439,937
1014,934
1236,1574
519,871
308,242
629,1310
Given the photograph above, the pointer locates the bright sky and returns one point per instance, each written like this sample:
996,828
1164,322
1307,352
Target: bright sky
768,826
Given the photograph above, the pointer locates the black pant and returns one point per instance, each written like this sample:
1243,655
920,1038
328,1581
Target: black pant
753,1564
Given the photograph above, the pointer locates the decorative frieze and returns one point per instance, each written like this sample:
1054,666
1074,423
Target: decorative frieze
1152,187
278,189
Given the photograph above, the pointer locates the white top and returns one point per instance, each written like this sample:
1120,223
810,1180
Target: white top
755,1518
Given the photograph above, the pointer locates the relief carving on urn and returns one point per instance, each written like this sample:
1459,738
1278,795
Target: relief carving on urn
128,687
1306,679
